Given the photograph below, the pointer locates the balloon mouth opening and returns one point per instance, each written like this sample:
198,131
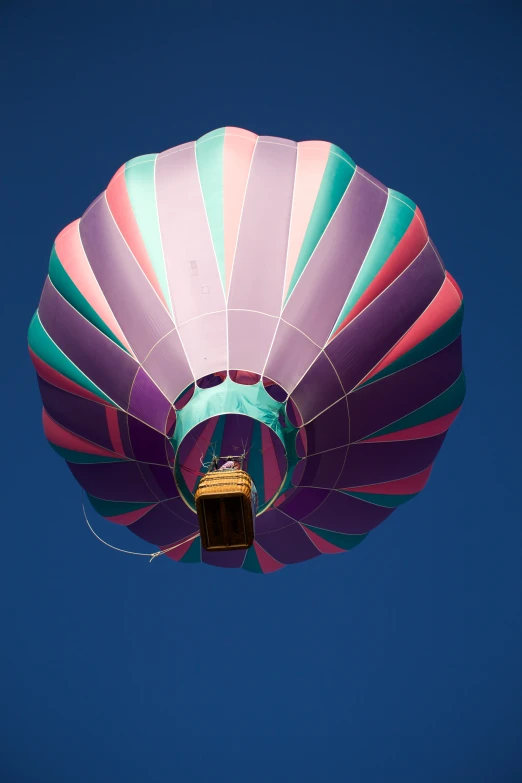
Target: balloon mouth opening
225,418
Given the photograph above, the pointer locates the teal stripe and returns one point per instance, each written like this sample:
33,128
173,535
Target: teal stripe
139,180
339,171
63,283
209,156
114,508
388,501
441,338
251,562
341,540
396,220
44,347
445,403
193,553
81,458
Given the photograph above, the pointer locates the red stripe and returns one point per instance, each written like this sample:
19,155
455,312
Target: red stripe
427,430
114,430
267,562
406,251
455,285
442,308
271,473
405,486
130,516
325,547
66,439
52,376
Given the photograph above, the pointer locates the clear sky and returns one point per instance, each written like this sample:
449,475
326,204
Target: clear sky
399,662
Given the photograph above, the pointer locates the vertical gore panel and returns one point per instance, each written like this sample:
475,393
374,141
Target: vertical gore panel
209,156
395,221
238,152
338,173
321,291
192,270
138,309
259,266
141,188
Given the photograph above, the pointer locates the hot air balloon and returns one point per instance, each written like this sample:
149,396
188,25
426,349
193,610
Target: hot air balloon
257,300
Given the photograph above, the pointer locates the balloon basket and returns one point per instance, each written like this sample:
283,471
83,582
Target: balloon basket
226,508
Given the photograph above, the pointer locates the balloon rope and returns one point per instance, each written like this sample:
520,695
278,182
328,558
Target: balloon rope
150,555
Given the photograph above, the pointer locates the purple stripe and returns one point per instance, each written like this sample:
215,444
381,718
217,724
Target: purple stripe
290,356
330,430
289,544
372,179
164,524
327,279
384,402
161,481
259,265
369,337
319,389
280,453
148,445
323,470
237,431
270,521
344,514
168,367
233,559
83,417
304,501
131,297
374,463
114,481
101,360
148,403
192,271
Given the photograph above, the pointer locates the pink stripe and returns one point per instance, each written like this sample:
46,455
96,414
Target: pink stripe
66,439
120,206
455,285
271,472
312,157
114,430
192,465
238,150
267,562
55,378
428,430
406,251
130,516
259,264
325,547
69,250
406,486
445,304
177,554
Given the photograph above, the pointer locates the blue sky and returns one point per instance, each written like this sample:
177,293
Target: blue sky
398,662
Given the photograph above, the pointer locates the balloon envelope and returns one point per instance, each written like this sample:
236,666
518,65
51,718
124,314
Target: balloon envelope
244,293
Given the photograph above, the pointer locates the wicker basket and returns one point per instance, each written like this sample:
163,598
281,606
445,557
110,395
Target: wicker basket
226,505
